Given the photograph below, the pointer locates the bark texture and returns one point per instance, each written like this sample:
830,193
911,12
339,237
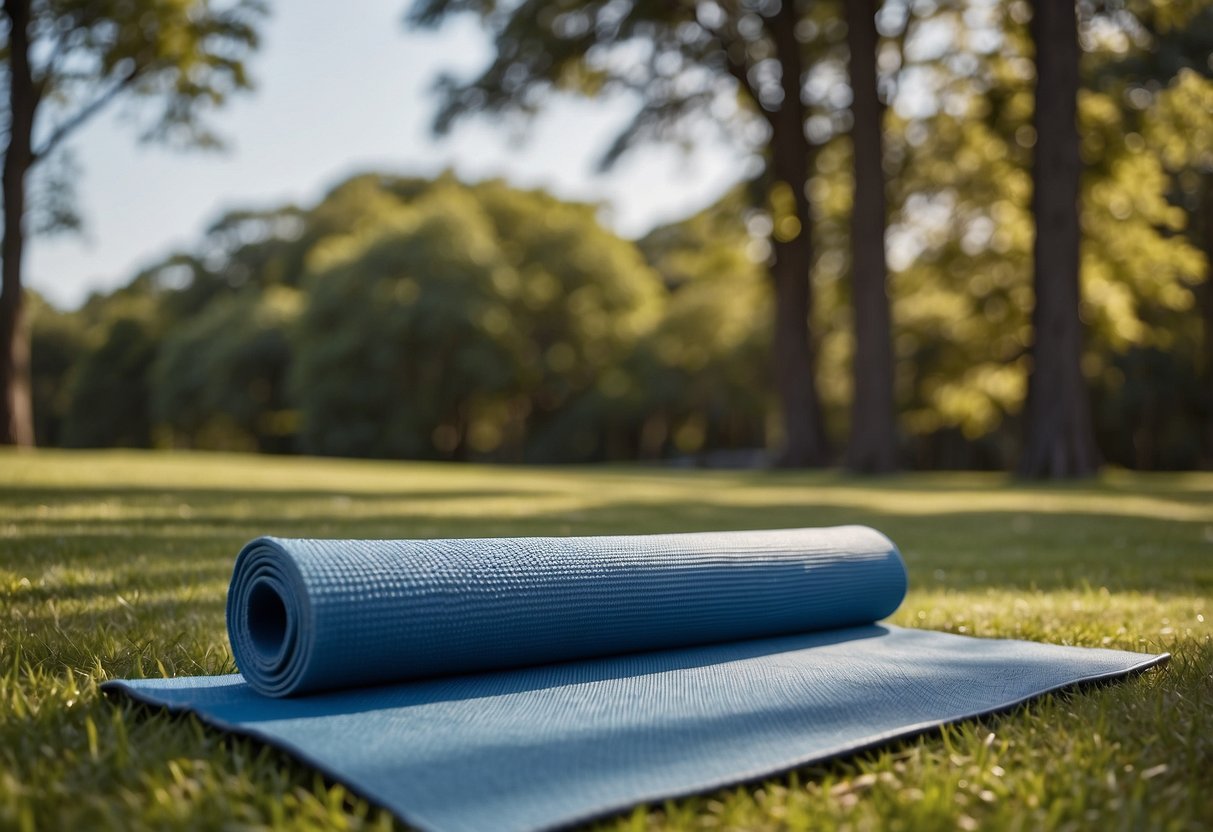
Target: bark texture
1205,294
1059,435
872,447
805,440
16,411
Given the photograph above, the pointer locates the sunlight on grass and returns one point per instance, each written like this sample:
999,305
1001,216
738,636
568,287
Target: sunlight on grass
116,564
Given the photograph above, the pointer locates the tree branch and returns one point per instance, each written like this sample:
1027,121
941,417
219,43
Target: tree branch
86,112
740,70
57,52
901,39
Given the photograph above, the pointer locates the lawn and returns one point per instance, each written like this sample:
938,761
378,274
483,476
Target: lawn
116,565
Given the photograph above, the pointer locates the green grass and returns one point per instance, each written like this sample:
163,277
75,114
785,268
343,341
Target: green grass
116,564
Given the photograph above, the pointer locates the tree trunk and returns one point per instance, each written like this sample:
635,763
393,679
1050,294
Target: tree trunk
16,411
805,441
873,443
1060,441
1205,294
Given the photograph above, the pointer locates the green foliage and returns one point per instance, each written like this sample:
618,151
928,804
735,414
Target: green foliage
56,345
401,332
219,380
582,300
177,59
115,565
480,317
183,56
1152,410
478,321
961,235
108,391
592,49
707,361
445,320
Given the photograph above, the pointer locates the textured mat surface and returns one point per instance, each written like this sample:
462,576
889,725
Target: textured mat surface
534,682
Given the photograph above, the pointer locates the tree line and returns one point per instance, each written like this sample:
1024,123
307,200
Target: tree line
424,318
1042,174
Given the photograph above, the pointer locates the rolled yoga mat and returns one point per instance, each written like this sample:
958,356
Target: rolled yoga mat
530,683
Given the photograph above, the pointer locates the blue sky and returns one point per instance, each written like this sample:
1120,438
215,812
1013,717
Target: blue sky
338,92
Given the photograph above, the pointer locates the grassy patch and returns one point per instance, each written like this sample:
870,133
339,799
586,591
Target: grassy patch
116,565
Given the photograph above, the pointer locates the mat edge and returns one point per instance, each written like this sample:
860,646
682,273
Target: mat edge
866,744
121,686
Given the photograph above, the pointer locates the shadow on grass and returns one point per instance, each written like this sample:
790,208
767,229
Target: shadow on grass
171,571
962,549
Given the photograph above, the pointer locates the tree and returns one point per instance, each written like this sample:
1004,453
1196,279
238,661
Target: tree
1171,81
1060,440
961,234
873,443
64,62
705,377
109,390
58,345
220,378
688,62
578,333
470,322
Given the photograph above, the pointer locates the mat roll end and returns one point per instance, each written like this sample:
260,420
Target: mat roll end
268,618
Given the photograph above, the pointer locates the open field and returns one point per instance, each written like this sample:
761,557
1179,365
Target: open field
116,564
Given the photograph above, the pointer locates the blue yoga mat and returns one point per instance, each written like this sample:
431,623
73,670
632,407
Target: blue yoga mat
531,683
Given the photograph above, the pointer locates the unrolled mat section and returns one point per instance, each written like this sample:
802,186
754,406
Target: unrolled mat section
529,683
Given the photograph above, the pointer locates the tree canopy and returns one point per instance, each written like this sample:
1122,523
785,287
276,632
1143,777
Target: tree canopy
427,317
65,61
